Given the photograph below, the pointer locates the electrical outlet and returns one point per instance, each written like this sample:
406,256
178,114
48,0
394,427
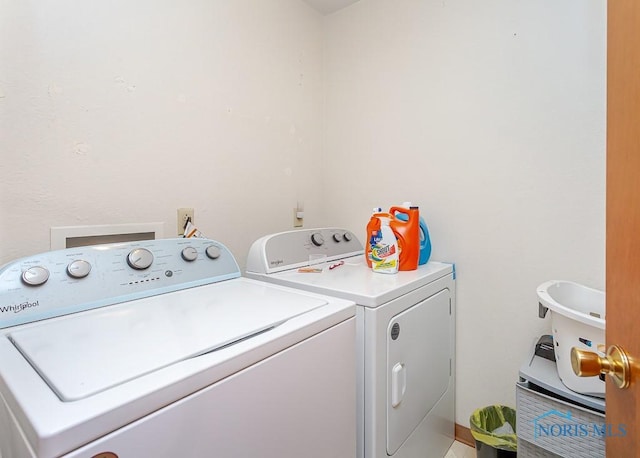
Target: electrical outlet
184,214
297,222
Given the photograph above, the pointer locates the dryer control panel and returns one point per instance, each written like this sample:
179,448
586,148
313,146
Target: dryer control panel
60,282
290,250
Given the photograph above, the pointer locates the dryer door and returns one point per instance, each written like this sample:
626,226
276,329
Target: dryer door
418,365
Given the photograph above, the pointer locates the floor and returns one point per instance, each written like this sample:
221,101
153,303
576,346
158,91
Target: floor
460,450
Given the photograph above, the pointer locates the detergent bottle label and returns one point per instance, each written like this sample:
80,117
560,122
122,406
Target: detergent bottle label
384,251
380,253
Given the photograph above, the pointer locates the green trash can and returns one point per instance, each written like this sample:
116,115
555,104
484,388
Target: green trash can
494,429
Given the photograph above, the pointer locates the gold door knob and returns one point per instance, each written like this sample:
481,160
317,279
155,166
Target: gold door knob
616,364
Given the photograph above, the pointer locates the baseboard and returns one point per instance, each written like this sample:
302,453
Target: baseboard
463,434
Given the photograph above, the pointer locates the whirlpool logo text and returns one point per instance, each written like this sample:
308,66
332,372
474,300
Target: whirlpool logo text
19,307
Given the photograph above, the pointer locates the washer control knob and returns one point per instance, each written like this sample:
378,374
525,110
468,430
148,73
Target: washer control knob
78,268
337,238
35,276
189,254
213,252
140,258
317,239
347,236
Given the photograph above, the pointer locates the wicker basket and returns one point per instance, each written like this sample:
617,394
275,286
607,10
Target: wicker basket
550,427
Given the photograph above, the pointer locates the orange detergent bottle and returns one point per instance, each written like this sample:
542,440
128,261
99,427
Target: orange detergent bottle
408,234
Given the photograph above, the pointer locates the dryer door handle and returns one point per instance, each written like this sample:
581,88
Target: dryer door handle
398,384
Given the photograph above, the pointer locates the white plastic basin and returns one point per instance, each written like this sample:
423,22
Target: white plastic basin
577,320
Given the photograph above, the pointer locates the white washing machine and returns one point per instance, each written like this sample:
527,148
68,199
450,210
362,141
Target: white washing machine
405,336
160,349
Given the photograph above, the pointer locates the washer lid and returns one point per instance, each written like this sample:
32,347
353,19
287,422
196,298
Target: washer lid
81,355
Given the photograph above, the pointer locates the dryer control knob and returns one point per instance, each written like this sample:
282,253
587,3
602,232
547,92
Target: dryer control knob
337,238
35,276
140,258
347,236
317,239
189,254
78,268
213,252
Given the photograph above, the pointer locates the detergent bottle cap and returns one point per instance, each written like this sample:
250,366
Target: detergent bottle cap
408,205
377,210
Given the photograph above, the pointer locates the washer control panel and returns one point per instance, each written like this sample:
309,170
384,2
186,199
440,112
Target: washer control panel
291,249
59,282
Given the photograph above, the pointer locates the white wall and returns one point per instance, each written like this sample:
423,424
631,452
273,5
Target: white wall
491,116
121,112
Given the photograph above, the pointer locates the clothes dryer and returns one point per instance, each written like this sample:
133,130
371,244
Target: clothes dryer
405,336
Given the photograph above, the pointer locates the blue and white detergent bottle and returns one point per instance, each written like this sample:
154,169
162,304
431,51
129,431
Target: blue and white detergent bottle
425,241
